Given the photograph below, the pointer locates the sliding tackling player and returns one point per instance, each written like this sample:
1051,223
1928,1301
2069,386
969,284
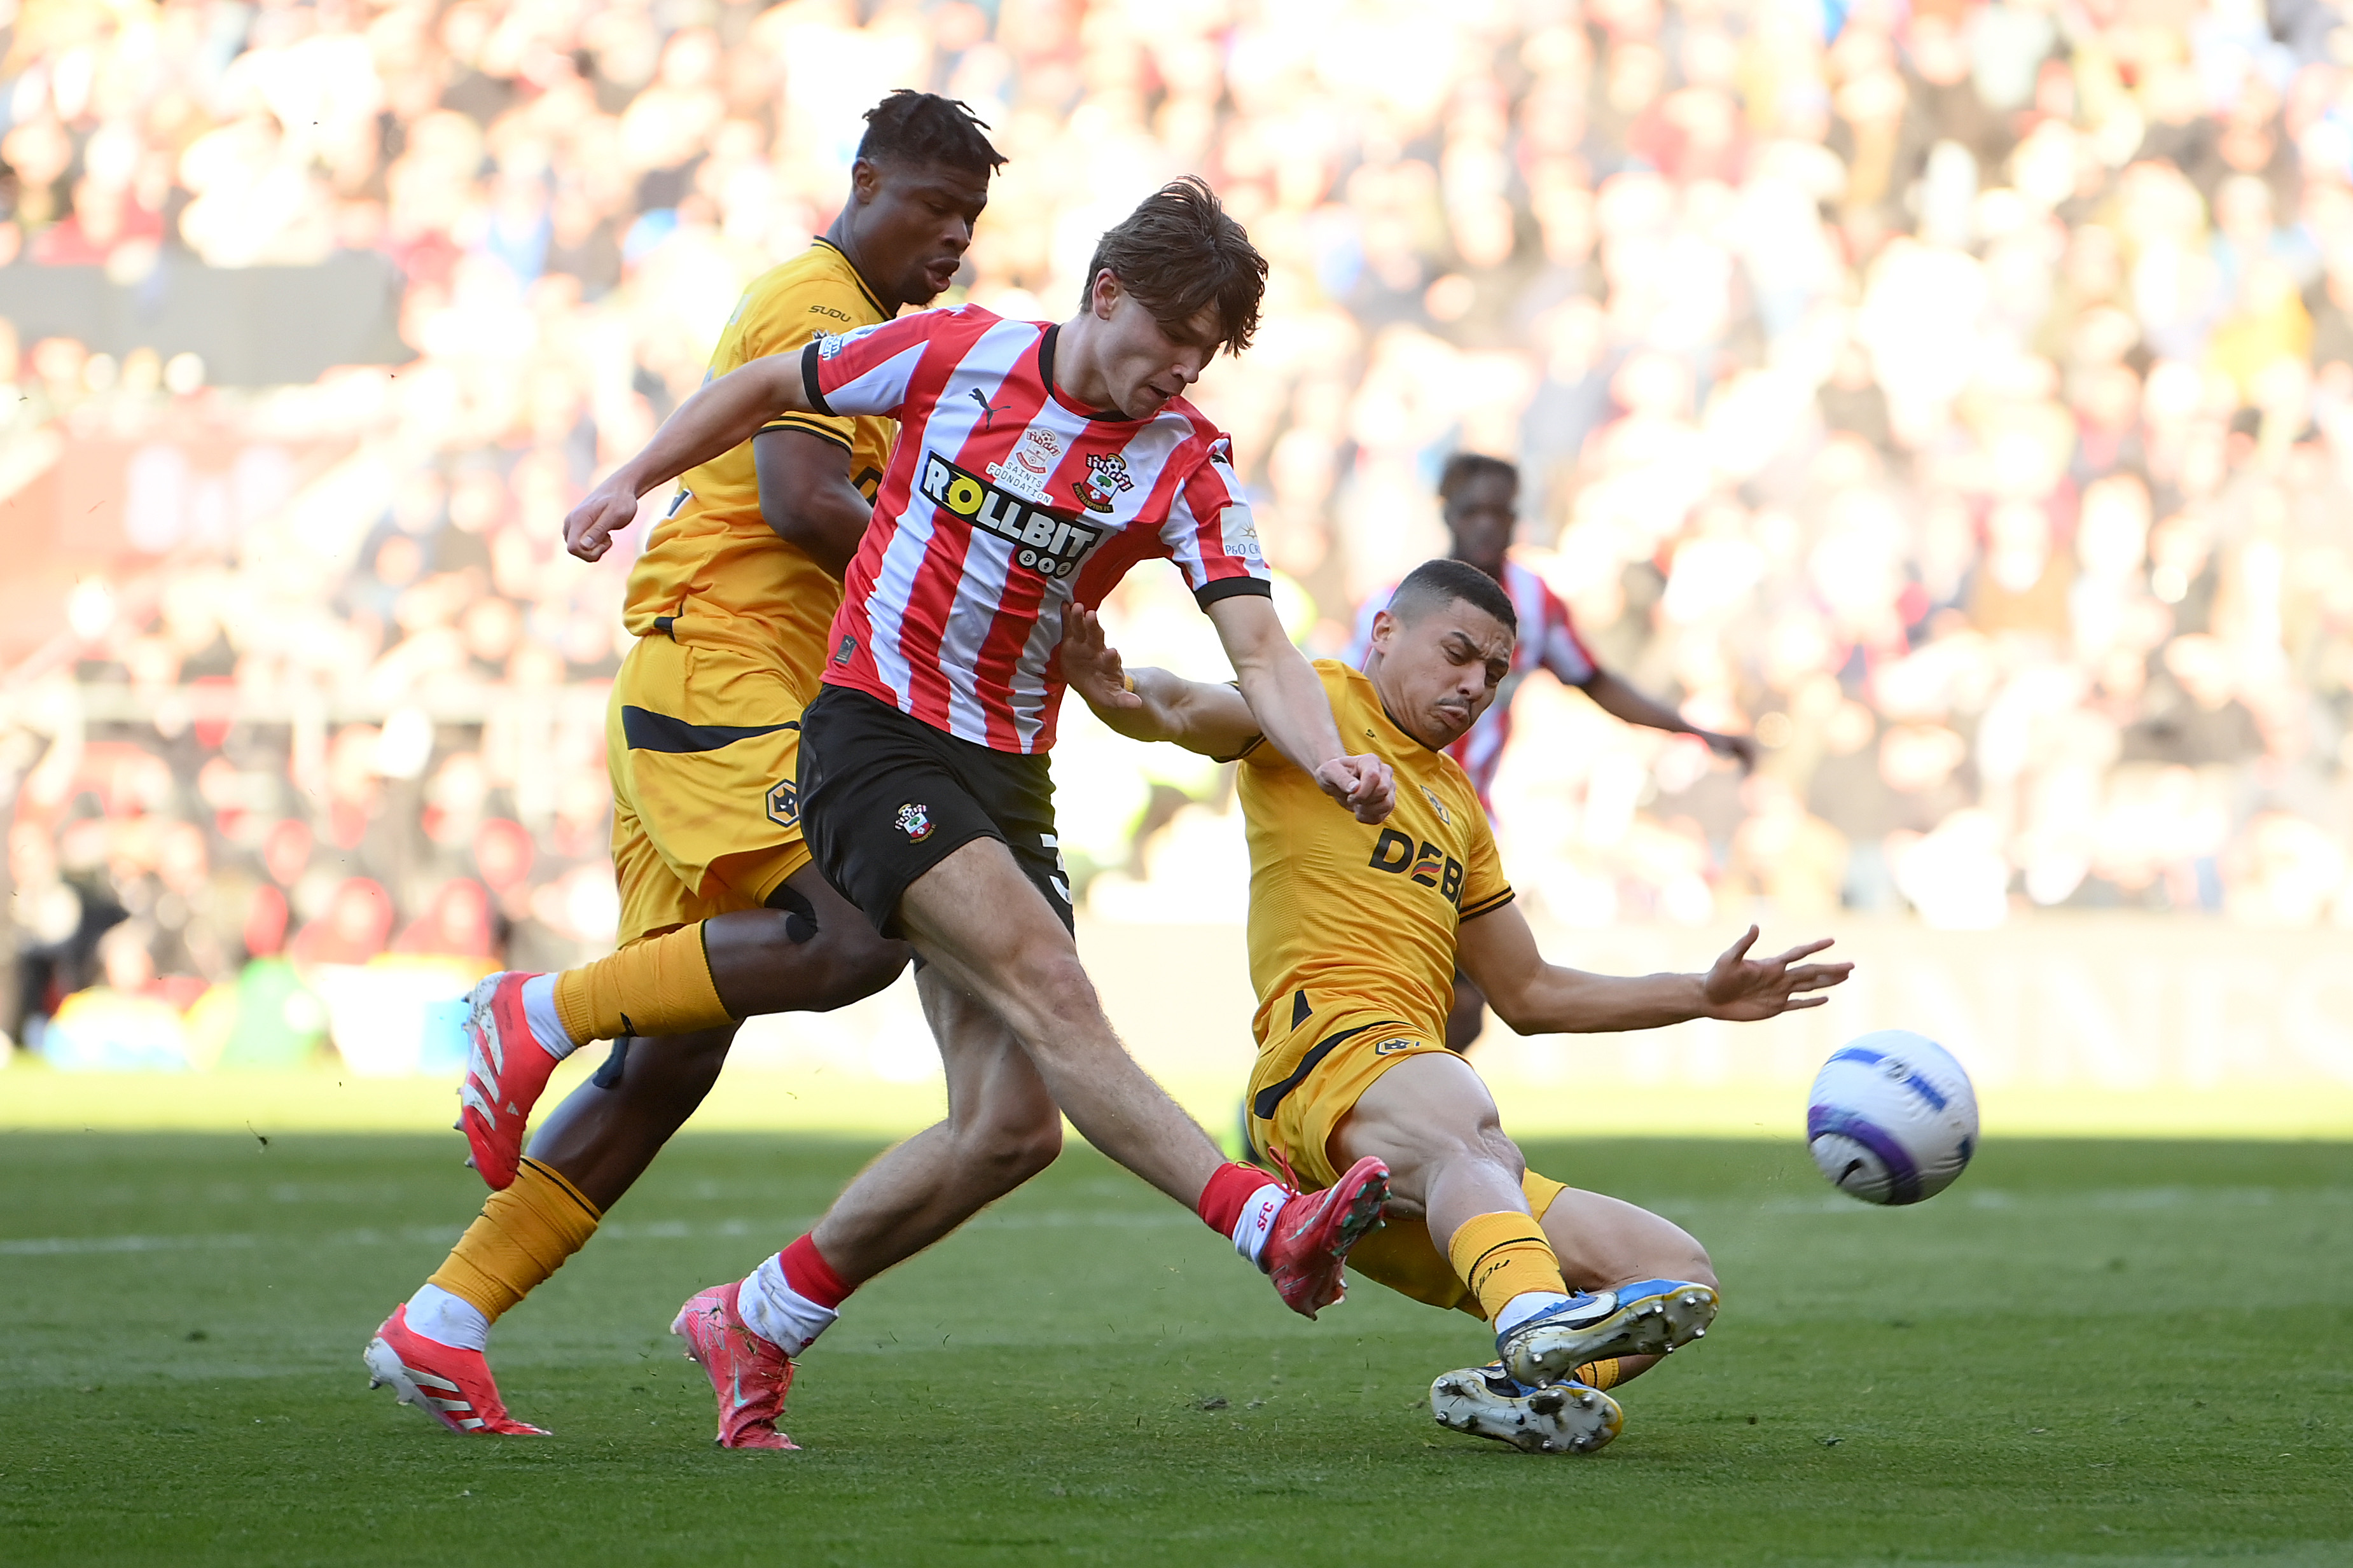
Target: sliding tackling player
1037,463
1355,930
1479,498
731,602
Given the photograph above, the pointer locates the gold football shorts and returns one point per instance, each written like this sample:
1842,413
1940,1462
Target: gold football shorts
1305,1081
1311,1076
702,741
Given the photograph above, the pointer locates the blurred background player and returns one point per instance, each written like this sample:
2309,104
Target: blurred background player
1479,499
1036,461
1355,930
722,914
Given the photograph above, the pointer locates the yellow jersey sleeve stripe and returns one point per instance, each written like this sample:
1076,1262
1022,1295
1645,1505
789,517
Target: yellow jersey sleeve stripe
1489,905
809,426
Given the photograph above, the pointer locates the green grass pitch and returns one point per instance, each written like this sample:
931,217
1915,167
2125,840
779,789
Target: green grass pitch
2085,1353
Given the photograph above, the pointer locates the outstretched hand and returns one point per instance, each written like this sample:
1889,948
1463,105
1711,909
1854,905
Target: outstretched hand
1091,664
1742,990
1741,749
588,528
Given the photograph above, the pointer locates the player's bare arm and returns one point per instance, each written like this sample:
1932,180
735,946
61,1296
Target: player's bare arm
1289,708
721,415
1618,697
1499,952
1150,704
806,498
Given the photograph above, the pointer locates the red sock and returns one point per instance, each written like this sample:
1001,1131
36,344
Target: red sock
1231,1187
809,1275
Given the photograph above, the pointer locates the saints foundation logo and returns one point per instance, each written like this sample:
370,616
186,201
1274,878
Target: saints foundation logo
915,822
784,805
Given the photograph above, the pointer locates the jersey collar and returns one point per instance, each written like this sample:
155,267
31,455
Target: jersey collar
855,276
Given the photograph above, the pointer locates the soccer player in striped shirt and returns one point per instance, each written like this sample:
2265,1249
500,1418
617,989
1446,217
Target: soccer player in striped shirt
731,602
1037,463
1480,497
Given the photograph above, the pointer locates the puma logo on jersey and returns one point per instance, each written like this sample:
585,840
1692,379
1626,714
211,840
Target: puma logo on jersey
1047,542
988,411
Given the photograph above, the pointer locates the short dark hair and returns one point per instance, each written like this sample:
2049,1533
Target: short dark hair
1179,252
1442,581
1462,467
914,127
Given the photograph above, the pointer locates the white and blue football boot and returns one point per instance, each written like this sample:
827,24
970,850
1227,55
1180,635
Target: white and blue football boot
1650,1316
1556,1418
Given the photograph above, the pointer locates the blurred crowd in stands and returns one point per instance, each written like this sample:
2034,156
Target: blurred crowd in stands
1959,397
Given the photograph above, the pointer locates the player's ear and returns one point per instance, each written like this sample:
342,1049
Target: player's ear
1105,297
865,181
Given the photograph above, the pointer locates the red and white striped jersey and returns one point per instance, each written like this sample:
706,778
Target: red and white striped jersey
1002,504
1547,640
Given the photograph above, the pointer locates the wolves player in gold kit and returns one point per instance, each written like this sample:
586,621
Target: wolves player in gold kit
1355,931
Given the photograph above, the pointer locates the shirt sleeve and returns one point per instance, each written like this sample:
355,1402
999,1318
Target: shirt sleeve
868,371
1485,891
782,323
1210,533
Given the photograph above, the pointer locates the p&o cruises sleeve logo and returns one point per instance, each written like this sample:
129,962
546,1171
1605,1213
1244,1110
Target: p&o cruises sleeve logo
1048,542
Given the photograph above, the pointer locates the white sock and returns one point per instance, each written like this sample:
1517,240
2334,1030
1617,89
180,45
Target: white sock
1526,1305
539,1007
447,1319
1258,1220
778,1313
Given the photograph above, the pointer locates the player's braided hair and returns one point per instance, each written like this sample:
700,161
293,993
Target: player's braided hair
924,127
1462,467
1177,253
1441,581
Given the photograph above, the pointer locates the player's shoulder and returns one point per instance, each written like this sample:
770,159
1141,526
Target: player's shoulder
1526,585
1349,688
817,292
1196,432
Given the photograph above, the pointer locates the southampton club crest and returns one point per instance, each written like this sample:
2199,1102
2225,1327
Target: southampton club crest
1106,478
784,805
914,820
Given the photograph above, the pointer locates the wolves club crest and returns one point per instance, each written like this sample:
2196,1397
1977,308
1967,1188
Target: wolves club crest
1106,478
784,805
914,821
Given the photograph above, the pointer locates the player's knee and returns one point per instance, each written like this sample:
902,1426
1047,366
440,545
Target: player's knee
863,963
1013,1145
674,1071
1053,990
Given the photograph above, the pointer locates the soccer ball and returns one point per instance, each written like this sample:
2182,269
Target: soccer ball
1893,1119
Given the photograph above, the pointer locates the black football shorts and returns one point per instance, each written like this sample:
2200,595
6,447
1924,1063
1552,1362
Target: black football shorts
884,797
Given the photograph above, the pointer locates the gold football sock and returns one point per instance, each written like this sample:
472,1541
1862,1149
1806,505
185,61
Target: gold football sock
1501,1255
1600,1374
661,985
524,1235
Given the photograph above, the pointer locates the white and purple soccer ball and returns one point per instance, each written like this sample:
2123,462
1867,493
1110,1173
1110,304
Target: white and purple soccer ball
1892,1117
